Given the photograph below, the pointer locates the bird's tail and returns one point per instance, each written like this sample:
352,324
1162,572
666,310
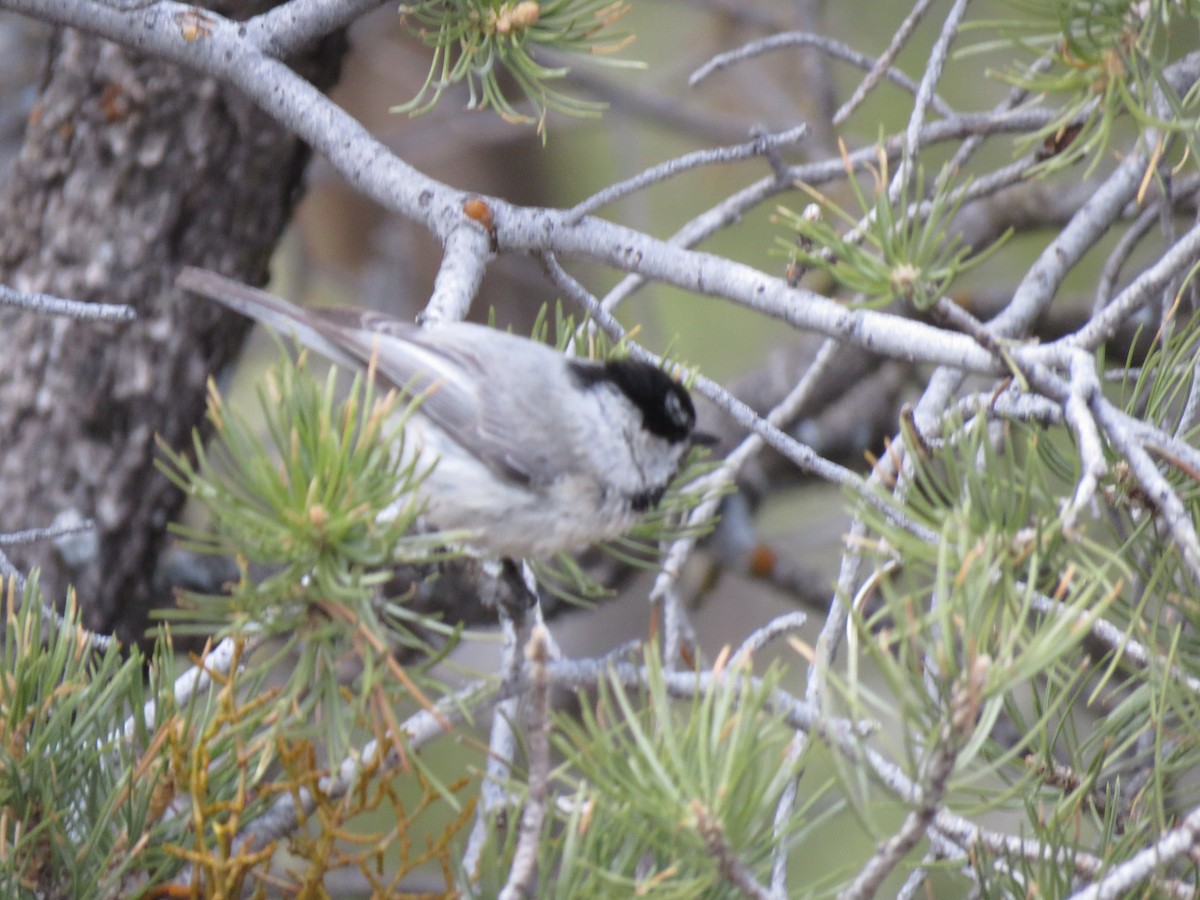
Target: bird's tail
267,309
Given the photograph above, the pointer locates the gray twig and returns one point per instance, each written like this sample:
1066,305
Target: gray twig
1142,291
524,866
494,798
291,27
73,309
835,49
763,145
883,65
465,255
50,615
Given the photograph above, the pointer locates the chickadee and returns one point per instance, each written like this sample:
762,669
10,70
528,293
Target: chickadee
532,452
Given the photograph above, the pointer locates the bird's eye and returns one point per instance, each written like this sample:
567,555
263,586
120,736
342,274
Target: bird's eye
675,411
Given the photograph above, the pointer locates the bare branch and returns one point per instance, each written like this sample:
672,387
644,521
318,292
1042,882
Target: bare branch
461,271
925,95
1142,291
75,309
883,65
50,615
833,48
1172,844
731,866
524,865
760,146
294,25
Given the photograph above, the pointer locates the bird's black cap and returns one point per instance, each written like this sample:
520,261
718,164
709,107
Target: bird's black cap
667,410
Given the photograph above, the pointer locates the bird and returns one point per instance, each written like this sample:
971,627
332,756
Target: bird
529,452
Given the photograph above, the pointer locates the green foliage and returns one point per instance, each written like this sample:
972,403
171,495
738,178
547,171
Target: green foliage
902,250
71,804
659,788
956,629
110,784
982,646
318,505
327,503
480,41
1108,59
325,497
309,495
968,608
1158,389
107,782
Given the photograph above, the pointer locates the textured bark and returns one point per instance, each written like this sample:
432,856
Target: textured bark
130,169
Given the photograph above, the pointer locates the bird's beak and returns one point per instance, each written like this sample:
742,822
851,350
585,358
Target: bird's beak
704,439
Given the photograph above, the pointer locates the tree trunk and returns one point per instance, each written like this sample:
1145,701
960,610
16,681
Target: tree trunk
130,169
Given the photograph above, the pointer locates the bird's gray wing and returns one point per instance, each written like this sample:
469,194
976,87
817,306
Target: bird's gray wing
445,383
486,389
446,366
500,396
